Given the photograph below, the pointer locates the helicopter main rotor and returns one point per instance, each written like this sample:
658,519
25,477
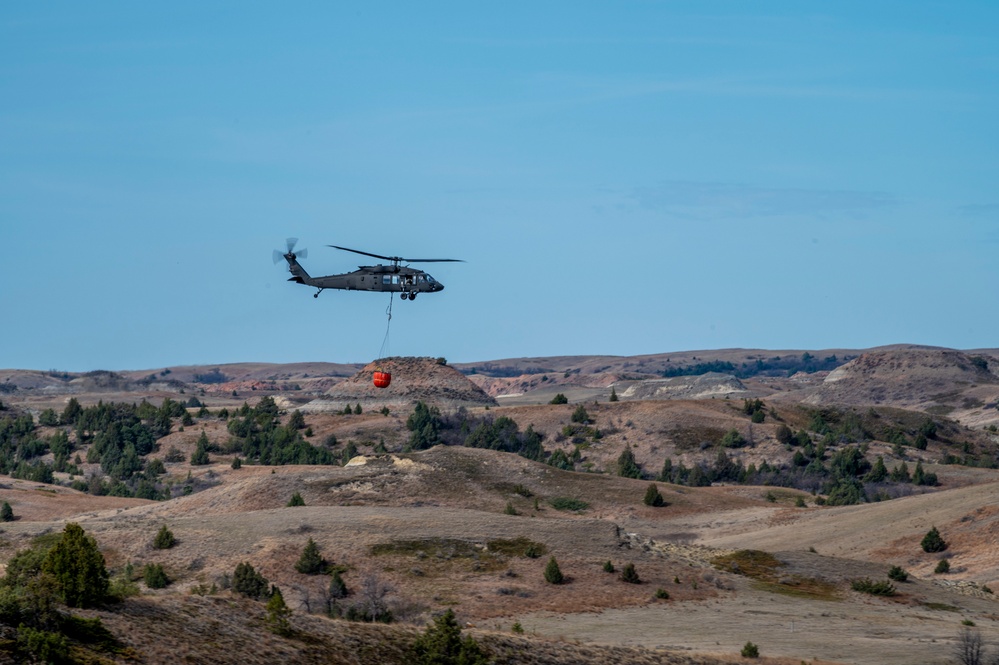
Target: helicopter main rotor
396,260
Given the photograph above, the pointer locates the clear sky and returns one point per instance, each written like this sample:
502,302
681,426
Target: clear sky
621,178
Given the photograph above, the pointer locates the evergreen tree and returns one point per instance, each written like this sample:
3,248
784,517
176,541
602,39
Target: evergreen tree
338,588
237,463
164,539
357,409
559,399
613,395
311,562
277,614
200,455
626,465
296,420
442,644
580,415
653,497
6,513
666,475
248,582
78,568
933,542
71,412
629,574
295,500
154,576
878,473
553,574
900,474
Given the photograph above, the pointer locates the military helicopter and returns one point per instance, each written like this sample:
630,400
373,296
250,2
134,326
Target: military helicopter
393,277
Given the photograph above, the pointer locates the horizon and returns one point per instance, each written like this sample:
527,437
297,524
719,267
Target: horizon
509,358
637,177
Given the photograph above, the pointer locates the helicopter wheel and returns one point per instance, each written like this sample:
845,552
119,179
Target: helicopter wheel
412,296
315,295
404,295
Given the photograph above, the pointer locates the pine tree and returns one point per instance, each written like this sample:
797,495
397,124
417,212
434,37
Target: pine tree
553,574
653,497
626,465
200,455
311,562
613,395
248,582
296,500
442,644
933,541
78,568
164,539
338,588
6,513
154,576
629,574
277,614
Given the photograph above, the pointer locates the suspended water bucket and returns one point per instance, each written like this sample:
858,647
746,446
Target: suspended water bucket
382,379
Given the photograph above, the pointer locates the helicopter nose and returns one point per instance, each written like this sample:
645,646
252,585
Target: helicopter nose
440,287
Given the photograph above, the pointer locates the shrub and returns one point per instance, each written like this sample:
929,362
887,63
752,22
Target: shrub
248,582
630,575
6,513
653,497
580,415
933,541
784,434
880,588
237,463
295,500
164,539
750,650
559,399
943,566
45,646
898,574
553,574
442,644
154,576
608,567
510,510
662,594
733,439
311,562
567,503
78,568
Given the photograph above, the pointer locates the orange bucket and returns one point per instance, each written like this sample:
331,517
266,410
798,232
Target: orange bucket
382,379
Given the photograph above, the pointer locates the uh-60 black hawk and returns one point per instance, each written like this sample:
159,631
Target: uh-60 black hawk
394,278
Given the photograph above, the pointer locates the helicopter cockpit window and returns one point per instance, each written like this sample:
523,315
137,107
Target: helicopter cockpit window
430,279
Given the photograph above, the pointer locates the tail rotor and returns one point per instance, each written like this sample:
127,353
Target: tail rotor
291,254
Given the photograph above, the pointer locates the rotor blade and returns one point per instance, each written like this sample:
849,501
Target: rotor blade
291,242
432,260
277,256
376,256
302,253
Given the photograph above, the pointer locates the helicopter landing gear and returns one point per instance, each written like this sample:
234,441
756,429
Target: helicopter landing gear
412,295
408,295
404,295
316,294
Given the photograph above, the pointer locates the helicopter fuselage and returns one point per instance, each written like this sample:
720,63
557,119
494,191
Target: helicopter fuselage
379,278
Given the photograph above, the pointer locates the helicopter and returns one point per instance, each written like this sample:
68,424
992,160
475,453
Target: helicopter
392,278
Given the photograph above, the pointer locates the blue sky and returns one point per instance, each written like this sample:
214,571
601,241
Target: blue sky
621,178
